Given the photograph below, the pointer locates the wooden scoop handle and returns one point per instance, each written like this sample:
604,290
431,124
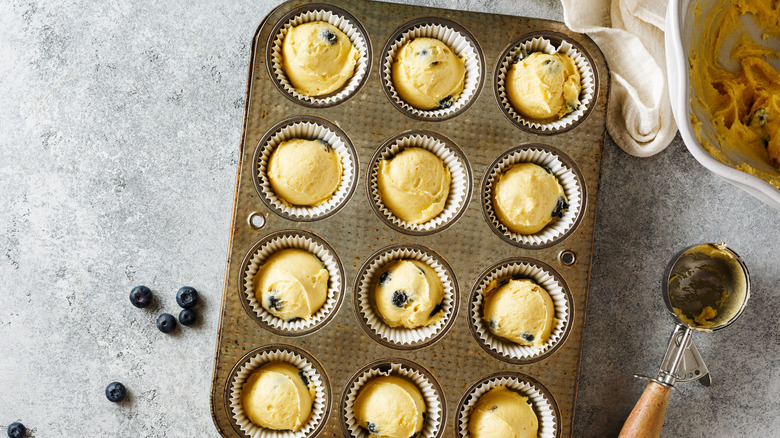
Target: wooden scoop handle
647,418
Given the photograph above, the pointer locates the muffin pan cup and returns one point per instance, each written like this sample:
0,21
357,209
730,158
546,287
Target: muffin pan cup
435,405
569,177
341,20
549,43
272,244
278,353
543,403
541,274
307,128
457,38
454,161
356,231
400,337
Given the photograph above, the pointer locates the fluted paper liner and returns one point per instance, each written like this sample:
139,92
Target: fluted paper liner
460,183
342,23
461,44
568,180
541,44
541,277
545,410
308,130
434,401
401,335
293,240
319,408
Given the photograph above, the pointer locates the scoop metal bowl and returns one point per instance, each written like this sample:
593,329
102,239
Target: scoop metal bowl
705,288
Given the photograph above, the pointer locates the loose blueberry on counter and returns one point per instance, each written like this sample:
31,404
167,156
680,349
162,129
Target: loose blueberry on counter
560,206
116,392
140,296
187,317
187,297
166,323
17,430
399,298
328,36
528,337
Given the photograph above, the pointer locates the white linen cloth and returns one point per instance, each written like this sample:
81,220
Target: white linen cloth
630,33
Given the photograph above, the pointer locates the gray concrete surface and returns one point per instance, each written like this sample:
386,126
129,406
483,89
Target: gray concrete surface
119,129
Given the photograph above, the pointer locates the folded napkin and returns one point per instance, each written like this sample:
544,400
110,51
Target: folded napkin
630,33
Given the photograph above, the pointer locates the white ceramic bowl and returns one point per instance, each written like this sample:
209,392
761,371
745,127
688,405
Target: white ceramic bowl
680,35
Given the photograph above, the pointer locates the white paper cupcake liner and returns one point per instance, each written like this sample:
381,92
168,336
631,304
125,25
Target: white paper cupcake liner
319,410
541,44
351,29
543,278
434,399
285,240
309,129
401,336
569,180
460,185
545,409
461,43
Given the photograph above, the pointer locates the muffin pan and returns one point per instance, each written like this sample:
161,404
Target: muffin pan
353,236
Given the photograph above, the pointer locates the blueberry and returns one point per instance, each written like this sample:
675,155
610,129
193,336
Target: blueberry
560,207
17,430
760,117
329,36
548,62
384,278
116,392
528,337
436,309
325,144
304,378
372,428
446,102
434,63
493,408
423,52
187,317
492,324
522,54
140,296
187,297
166,323
294,319
273,302
399,298
546,169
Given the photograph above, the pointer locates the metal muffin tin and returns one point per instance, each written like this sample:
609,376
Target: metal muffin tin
355,232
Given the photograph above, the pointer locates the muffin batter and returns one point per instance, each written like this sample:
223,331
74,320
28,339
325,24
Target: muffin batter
278,396
520,311
409,294
390,407
414,185
743,101
427,74
503,413
292,284
318,58
527,197
304,172
543,86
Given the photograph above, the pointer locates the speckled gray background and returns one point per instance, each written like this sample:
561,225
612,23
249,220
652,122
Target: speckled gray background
119,130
